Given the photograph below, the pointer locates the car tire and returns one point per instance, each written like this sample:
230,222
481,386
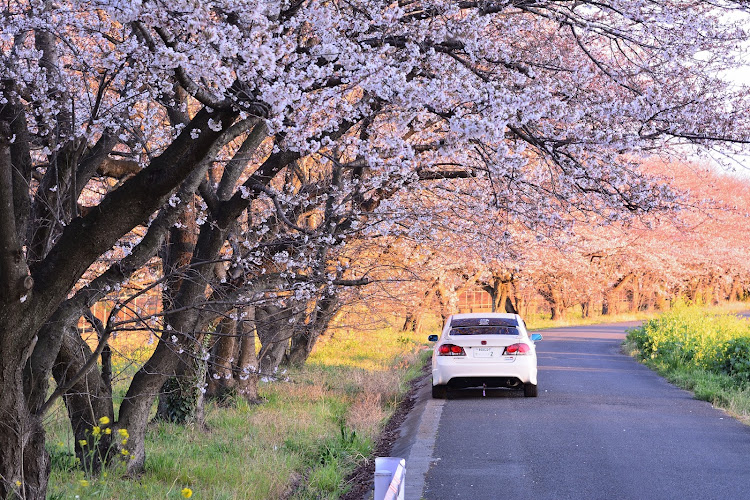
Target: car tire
439,391
529,390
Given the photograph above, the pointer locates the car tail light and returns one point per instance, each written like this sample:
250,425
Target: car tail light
451,350
519,348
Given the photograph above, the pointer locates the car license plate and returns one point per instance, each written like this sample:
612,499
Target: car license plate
482,352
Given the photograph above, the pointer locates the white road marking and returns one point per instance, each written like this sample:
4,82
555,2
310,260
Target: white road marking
420,455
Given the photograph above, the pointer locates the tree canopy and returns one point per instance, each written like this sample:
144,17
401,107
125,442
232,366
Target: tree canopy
272,155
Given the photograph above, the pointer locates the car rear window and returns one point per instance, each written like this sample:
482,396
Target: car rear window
485,330
455,323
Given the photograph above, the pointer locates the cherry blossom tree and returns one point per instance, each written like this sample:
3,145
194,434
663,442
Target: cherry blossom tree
541,107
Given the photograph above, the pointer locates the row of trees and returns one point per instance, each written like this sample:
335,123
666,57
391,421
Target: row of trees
696,253
257,165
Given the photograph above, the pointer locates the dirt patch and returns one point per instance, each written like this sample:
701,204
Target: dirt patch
361,480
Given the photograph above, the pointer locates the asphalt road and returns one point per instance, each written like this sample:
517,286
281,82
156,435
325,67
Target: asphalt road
603,427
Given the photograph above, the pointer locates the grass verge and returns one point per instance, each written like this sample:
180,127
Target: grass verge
704,351
301,443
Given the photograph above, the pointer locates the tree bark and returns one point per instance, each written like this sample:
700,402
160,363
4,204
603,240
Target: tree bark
635,301
556,312
23,459
735,290
178,400
246,370
586,308
136,406
274,332
411,322
552,294
502,293
221,381
303,342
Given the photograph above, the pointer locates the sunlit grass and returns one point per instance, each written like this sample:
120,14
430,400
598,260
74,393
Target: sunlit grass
573,317
312,430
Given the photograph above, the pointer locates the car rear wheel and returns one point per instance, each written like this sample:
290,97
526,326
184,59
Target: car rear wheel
439,391
529,390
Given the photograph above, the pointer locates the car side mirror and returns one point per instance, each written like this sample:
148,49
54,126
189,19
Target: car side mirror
535,337
432,338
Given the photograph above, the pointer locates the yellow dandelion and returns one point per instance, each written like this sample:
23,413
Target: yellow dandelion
123,433
83,482
60,444
125,453
104,475
124,442
107,431
186,492
104,420
18,484
83,442
96,430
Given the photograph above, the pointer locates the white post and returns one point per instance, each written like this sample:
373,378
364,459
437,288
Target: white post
389,478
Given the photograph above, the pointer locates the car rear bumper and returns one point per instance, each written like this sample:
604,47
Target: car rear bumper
465,372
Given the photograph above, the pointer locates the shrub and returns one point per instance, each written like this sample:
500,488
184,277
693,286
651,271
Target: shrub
688,337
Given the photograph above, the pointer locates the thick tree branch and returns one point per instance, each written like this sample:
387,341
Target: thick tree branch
15,281
86,238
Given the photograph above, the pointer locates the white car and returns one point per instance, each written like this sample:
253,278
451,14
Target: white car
484,350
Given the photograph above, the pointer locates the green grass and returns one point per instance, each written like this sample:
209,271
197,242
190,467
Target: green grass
542,321
707,352
301,443
573,316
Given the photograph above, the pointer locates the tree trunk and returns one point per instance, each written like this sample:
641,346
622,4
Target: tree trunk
136,406
635,303
181,399
610,304
510,305
178,398
23,460
29,298
661,301
274,331
220,379
410,322
556,312
586,308
303,342
735,291
24,463
554,298
413,320
86,401
443,297
502,300
246,371
502,293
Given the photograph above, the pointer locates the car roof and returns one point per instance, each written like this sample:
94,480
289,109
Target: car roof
483,315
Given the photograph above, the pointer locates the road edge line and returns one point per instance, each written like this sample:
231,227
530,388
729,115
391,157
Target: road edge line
420,456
